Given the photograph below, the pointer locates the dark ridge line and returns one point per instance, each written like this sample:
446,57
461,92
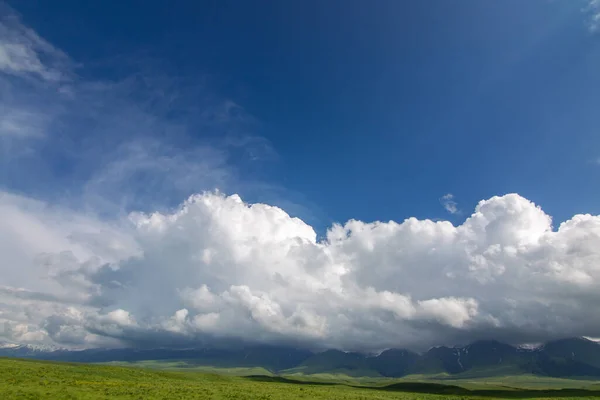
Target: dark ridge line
281,379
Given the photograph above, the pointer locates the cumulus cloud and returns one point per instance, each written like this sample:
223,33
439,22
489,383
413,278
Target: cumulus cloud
449,204
217,267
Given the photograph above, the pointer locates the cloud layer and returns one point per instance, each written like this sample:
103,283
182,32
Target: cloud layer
217,267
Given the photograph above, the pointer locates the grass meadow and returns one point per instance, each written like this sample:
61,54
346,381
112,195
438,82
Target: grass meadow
29,379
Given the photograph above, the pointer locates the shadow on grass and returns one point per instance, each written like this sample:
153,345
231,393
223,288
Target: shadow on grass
509,393
441,389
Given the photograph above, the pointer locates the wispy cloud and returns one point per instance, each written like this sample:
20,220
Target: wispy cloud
22,51
449,204
142,141
593,8
20,122
34,76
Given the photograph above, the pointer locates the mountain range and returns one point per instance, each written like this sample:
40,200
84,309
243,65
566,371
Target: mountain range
573,357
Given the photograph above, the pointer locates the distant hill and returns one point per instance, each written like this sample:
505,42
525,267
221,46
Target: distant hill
573,357
272,358
335,361
393,362
575,349
481,355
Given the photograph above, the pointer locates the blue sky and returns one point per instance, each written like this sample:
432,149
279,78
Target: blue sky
375,112
154,158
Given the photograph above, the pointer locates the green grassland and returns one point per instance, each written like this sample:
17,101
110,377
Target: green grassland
475,379
28,379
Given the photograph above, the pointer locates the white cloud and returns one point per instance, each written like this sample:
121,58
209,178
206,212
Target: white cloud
218,267
449,204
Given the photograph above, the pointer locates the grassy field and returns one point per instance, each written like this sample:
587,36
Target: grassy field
26,379
185,366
